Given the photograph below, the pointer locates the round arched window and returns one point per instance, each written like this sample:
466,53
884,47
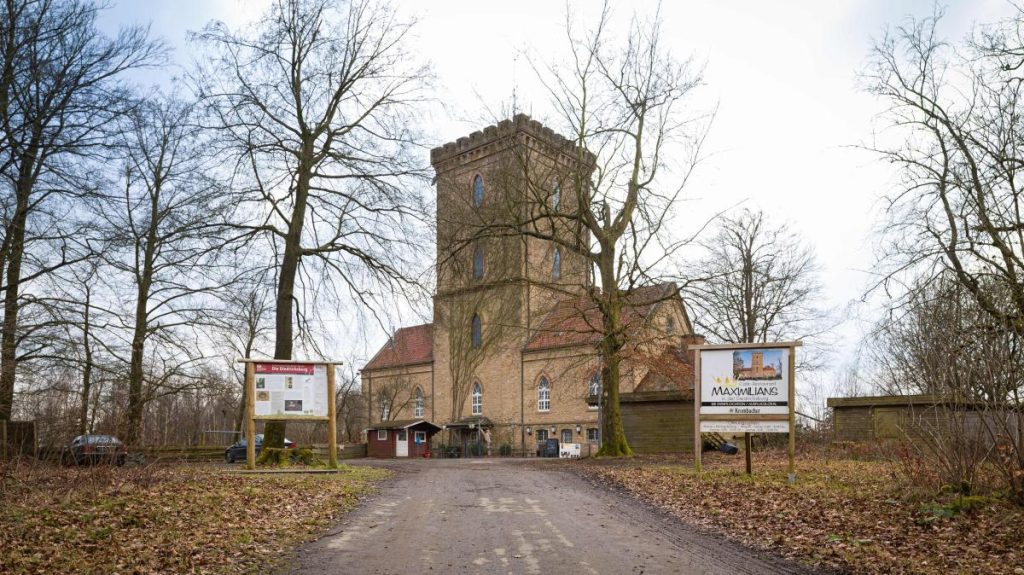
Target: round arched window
478,263
556,196
418,406
478,191
478,399
544,394
556,264
476,334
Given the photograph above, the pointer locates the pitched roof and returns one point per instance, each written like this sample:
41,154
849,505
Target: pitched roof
409,346
403,424
577,321
673,370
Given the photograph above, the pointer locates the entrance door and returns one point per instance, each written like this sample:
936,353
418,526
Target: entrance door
402,443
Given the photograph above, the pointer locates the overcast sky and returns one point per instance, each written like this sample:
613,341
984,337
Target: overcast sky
783,75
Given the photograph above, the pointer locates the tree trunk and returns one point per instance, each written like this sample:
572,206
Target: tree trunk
9,330
273,431
83,416
613,443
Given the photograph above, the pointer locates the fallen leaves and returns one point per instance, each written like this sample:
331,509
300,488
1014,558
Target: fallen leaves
164,519
848,515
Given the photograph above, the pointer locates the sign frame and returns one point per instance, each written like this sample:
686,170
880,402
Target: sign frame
250,407
740,419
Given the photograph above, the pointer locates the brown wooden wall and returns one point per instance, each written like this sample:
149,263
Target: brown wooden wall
853,424
658,422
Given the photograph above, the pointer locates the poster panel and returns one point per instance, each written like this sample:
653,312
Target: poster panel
290,389
744,382
744,426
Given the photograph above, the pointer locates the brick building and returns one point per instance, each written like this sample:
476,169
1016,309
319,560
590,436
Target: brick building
511,356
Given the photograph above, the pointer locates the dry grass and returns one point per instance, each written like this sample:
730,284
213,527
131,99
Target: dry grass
857,516
163,519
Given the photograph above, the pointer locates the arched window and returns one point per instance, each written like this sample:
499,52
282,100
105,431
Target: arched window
476,334
594,385
556,264
670,325
544,394
478,399
478,263
556,196
385,408
478,191
418,408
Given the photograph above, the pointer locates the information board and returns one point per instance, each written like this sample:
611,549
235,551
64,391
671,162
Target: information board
744,381
290,389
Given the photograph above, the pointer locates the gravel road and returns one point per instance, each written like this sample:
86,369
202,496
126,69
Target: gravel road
508,516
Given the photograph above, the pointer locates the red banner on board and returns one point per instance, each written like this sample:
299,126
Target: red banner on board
288,368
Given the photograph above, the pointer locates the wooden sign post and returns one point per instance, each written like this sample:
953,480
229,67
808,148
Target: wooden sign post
291,390
745,388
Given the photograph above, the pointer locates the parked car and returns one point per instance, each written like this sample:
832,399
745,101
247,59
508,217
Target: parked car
237,451
97,449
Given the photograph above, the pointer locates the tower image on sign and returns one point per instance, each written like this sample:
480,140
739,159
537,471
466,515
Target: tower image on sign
747,365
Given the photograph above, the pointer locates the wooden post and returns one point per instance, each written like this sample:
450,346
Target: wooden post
697,444
792,414
250,414
746,447
332,419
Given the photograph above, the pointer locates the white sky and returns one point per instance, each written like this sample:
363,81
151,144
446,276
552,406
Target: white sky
783,75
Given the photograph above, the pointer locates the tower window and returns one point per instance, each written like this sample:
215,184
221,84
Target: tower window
544,394
556,264
478,263
476,334
556,196
478,191
478,399
418,409
594,385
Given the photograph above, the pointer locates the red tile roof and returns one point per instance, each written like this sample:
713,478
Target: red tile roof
409,346
670,371
577,321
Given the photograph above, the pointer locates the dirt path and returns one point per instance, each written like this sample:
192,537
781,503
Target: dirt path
504,516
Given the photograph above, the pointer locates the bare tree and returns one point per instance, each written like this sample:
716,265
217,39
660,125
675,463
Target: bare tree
164,244
631,148
60,87
958,145
758,283
315,104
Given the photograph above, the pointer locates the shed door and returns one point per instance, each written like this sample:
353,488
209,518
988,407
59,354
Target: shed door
402,443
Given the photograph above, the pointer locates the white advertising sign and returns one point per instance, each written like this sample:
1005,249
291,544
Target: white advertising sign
744,426
569,450
744,382
287,389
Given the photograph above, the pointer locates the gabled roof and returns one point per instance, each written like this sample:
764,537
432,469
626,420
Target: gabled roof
577,321
673,370
402,424
409,346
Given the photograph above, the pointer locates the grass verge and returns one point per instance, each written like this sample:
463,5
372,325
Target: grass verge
164,519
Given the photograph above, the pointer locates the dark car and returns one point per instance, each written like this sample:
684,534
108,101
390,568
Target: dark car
237,451
97,449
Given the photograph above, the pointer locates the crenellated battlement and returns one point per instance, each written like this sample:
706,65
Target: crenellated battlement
481,140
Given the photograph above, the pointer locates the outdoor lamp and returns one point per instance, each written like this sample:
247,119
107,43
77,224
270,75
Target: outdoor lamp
529,430
579,429
553,429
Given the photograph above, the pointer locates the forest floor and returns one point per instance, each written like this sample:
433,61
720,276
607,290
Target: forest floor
857,516
163,518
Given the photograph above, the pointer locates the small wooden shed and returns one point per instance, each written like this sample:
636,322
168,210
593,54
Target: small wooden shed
400,438
887,417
